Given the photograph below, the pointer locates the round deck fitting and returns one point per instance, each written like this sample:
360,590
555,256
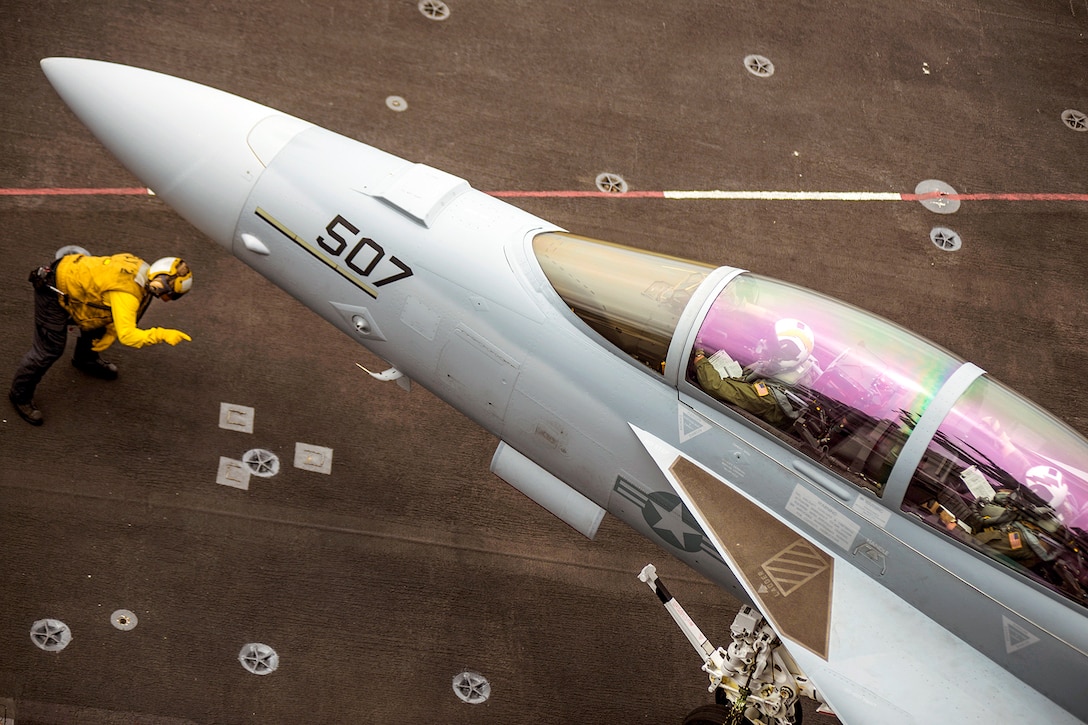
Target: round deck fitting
261,462
471,687
434,9
396,103
935,195
1075,120
124,620
759,65
945,239
611,183
51,635
259,659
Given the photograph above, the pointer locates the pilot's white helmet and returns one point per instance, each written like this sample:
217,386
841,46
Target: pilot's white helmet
795,341
1047,482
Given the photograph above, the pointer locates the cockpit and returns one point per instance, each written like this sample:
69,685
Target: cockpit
900,418
848,387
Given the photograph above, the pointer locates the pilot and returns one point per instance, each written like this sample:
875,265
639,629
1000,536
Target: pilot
1045,481
104,297
1015,527
790,358
763,398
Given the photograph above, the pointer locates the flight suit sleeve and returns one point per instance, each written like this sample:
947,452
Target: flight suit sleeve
712,382
756,398
124,328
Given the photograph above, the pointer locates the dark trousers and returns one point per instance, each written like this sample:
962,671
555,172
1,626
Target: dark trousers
50,337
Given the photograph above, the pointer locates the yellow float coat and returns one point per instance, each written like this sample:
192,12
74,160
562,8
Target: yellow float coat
108,292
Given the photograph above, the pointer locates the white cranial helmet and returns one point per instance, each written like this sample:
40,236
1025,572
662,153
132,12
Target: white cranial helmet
795,341
1047,482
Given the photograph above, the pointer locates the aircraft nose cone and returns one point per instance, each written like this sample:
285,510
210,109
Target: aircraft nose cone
188,143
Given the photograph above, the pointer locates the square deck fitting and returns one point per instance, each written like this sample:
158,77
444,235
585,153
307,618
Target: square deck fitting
232,473
236,417
313,458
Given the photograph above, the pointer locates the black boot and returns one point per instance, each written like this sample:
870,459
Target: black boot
96,368
27,411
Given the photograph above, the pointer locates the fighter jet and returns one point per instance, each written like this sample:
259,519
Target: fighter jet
909,533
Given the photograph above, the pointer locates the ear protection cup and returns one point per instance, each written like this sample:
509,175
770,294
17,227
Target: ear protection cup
169,276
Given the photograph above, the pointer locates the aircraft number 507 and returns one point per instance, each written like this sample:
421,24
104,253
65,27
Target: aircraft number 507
354,257
361,255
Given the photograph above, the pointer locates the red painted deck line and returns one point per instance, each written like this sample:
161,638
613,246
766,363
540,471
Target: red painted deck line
676,195
140,191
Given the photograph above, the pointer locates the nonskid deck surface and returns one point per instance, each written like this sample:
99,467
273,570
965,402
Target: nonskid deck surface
383,559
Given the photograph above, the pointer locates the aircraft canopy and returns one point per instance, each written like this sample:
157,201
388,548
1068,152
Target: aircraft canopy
906,421
899,417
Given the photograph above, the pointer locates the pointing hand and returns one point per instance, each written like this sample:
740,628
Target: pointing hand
173,337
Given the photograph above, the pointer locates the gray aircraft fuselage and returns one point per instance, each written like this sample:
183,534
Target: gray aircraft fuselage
574,355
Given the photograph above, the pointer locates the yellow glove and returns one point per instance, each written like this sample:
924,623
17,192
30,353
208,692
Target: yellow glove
105,341
172,337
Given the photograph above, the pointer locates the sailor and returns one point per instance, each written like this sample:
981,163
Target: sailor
104,297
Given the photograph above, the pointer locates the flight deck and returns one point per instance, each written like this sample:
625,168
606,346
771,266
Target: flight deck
249,528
